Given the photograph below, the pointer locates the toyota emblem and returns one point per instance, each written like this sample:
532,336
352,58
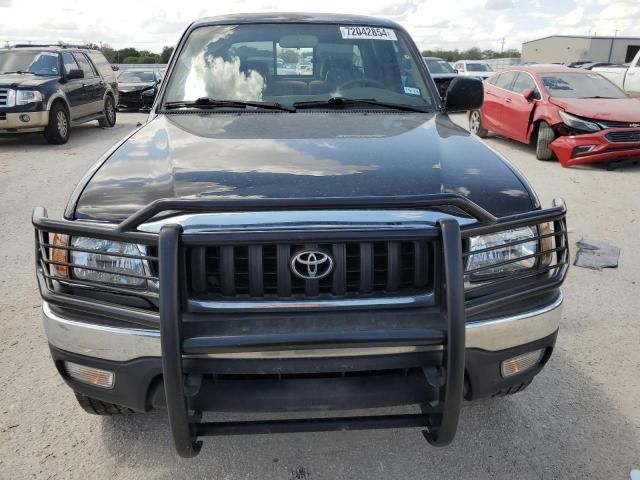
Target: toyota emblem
311,264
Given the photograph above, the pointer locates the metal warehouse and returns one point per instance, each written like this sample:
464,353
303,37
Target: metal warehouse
569,48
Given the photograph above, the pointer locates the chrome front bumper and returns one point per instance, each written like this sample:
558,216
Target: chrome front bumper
37,121
124,344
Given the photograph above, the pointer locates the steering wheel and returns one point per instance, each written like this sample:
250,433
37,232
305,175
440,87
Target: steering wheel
361,81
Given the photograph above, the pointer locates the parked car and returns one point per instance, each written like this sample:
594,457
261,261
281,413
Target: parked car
576,114
474,68
441,72
592,65
48,89
627,77
138,87
268,243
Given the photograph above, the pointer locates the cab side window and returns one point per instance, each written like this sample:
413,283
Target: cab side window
494,79
86,67
523,81
69,62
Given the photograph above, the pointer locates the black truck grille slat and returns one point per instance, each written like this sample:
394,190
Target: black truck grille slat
623,136
264,271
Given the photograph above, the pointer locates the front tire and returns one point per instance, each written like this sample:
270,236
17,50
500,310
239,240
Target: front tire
109,119
98,407
546,135
475,124
57,131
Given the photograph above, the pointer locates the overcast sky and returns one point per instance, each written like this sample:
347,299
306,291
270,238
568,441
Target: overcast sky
150,24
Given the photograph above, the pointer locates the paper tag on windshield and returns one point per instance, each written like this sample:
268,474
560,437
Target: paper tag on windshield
367,33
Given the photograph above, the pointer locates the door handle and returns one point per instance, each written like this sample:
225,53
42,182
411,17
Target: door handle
508,100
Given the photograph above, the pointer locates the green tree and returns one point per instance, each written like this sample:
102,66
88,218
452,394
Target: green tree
289,56
166,54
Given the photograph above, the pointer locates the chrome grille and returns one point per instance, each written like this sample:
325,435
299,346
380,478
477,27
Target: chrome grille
4,97
263,271
623,136
614,124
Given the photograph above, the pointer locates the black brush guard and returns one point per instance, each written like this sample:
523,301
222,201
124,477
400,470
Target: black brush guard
439,419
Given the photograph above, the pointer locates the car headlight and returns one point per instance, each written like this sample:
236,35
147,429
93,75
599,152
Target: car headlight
102,266
578,123
24,97
496,249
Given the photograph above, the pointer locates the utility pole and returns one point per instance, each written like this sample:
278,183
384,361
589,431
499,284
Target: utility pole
502,46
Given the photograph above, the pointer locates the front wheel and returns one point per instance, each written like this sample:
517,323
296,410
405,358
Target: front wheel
57,130
546,135
109,119
475,124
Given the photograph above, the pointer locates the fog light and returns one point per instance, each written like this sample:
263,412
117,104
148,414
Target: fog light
582,149
90,375
25,118
521,363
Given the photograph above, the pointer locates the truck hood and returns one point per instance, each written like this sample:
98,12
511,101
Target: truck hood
24,80
298,155
615,109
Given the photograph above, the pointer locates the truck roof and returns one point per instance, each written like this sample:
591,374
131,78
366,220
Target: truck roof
293,17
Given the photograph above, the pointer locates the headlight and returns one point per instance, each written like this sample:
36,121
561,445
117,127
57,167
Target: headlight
499,247
150,92
110,269
25,97
578,123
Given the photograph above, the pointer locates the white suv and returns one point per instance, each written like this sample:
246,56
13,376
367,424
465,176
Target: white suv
474,68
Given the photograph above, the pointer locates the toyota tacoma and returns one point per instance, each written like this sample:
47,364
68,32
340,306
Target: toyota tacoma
303,242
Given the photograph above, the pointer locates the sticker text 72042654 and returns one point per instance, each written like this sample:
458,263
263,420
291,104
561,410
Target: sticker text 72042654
367,33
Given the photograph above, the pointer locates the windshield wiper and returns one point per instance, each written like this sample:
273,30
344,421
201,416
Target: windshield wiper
599,96
206,103
342,101
18,71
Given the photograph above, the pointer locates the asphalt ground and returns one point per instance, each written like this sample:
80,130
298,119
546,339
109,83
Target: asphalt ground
579,419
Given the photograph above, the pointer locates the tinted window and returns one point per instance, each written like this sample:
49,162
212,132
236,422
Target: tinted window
102,65
493,80
505,80
580,85
479,67
69,62
439,66
86,67
523,81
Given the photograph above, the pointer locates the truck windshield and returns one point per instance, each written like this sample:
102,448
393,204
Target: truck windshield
580,85
479,67
439,66
29,61
294,63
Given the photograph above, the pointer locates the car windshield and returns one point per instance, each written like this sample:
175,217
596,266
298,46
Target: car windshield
29,61
439,66
135,76
478,67
580,85
293,63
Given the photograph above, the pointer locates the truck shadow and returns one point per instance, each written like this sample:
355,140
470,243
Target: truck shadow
561,427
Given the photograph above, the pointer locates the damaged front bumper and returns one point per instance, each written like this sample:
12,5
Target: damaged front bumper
603,146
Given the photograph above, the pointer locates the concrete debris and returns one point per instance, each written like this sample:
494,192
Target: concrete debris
596,254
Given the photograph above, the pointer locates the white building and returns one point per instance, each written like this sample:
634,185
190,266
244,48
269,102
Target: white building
572,48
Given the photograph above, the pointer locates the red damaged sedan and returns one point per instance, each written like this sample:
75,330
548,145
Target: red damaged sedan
578,115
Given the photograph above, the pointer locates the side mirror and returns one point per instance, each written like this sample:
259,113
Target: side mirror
528,94
115,68
456,70
464,93
75,74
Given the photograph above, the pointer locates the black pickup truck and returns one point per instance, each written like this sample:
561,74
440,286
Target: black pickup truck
301,240
49,88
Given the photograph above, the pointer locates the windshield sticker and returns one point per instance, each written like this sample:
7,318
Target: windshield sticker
368,33
412,91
